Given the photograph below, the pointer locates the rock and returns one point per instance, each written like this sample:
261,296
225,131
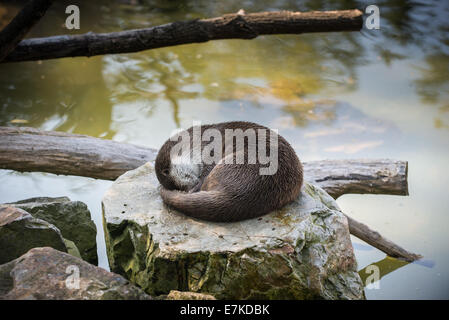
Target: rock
72,249
72,218
45,273
181,295
19,232
303,251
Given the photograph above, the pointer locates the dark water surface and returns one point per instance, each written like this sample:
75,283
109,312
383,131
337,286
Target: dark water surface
371,94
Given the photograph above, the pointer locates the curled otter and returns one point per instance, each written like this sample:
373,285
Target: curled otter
221,172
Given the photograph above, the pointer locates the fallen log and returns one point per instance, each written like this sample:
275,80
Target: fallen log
230,26
27,149
338,177
14,32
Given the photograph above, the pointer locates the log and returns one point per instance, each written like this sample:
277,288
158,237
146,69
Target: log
27,149
338,177
14,32
230,26
381,176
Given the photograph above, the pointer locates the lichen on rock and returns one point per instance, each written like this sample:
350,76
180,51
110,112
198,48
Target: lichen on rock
72,218
19,232
49,274
182,295
300,252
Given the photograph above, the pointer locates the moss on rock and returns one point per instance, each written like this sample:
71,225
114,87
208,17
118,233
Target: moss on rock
300,252
72,218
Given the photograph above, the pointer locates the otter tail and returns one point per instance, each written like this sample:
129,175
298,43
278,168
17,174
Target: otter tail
205,205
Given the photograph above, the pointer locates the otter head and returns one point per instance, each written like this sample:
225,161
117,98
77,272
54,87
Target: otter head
175,168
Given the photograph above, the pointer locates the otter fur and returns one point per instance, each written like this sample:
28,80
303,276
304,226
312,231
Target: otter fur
223,191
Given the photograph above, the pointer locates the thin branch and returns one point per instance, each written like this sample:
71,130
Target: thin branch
14,32
372,237
229,26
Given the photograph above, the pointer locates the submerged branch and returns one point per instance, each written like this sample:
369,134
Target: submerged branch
375,239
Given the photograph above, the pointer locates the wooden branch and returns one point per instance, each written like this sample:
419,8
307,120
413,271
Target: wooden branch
27,149
14,32
340,177
372,237
230,26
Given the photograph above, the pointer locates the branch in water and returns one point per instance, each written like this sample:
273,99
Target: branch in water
230,26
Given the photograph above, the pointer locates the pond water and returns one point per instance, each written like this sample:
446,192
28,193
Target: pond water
371,94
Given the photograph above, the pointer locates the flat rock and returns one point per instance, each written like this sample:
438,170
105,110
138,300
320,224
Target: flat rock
72,218
45,273
303,251
19,232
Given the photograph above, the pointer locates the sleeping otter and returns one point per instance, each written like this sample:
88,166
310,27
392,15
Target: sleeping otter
221,173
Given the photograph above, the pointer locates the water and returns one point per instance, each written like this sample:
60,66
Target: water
369,94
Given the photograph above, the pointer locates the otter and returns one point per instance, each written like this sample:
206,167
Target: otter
227,189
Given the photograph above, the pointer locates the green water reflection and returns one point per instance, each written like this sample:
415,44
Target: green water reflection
382,267
372,94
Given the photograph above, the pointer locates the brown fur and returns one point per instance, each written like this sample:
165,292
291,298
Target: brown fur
233,192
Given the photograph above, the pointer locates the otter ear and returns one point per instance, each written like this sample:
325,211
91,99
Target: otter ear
166,172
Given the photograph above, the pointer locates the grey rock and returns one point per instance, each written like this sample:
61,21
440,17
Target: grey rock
72,218
303,251
19,232
45,273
